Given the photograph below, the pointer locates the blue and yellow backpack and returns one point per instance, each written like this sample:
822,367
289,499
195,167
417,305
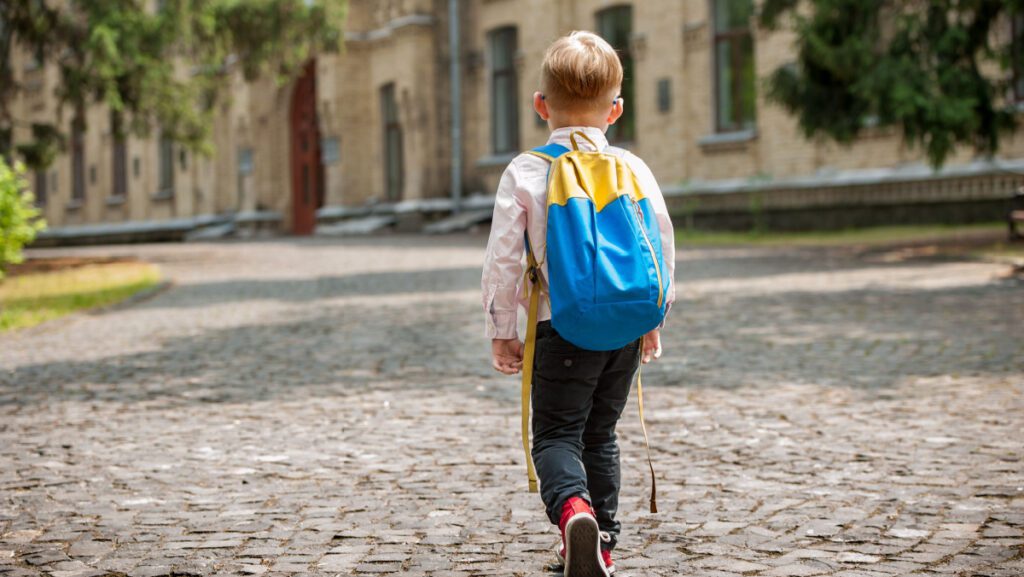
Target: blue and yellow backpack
607,280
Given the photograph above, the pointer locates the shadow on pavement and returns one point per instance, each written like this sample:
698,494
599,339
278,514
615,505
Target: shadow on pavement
320,288
863,338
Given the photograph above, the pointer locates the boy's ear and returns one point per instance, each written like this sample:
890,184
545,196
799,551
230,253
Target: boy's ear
540,105
616,111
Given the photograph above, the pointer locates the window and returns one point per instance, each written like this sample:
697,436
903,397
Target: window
1017,50
616,26
119,161
244,170
504,91
5,56
36,11
165,187
330,150
664,94
41,189
392,143
245,161
78,162
6,137
735,89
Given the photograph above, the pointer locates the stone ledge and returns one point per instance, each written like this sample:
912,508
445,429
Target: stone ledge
422,205
390,28
174,229
860,177
727,140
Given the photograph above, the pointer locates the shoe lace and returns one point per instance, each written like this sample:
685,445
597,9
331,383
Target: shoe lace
606,537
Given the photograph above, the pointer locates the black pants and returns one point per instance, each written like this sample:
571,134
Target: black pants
578,397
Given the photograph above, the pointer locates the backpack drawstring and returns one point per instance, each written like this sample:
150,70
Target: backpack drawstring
575,145
643,427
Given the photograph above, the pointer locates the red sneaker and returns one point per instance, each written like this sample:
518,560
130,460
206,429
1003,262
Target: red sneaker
581,541
606,556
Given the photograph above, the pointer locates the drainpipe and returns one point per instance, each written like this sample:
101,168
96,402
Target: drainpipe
456,98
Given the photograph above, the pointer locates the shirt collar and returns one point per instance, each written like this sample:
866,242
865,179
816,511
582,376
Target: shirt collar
561,136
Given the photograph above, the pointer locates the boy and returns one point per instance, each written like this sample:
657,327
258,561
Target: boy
578,395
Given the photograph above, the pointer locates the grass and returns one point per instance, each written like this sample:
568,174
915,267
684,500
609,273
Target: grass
29,299
1002,252
863,236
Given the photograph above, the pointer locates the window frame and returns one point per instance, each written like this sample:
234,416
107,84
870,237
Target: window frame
165,167
625,129
119,158
41,186
734,37
508,72
392,129
78,182
1017,57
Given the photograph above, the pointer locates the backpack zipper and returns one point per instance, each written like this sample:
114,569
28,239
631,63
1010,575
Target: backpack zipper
654,257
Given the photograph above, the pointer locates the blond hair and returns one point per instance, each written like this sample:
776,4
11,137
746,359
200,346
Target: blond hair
580,70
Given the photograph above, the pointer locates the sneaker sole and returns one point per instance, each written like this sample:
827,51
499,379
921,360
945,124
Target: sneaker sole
583,548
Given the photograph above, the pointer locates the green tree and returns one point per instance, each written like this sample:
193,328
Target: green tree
939,71
19,218
155,67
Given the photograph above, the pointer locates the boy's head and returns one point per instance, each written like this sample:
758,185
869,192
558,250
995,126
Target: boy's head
580,82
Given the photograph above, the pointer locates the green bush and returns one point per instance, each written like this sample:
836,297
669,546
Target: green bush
19,218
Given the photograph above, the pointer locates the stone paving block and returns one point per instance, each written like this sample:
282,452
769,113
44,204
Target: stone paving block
151,571
378,568
795,570
90,548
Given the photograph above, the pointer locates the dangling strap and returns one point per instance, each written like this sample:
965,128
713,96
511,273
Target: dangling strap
647,443
548,152
533,286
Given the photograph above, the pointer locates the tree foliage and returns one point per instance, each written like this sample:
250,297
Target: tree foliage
938,70
156,67
19,218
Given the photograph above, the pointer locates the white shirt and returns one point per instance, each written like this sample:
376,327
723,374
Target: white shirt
521,205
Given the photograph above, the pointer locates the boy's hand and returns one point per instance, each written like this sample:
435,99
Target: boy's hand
507,355
652,346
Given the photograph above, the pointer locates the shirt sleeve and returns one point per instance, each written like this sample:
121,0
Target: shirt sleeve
503,265
649,185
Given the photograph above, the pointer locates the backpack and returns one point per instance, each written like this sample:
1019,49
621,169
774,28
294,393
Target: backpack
606,281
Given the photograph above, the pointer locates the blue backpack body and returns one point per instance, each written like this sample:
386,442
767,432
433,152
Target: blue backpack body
607,281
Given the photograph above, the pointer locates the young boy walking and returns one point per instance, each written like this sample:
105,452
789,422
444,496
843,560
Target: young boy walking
581,379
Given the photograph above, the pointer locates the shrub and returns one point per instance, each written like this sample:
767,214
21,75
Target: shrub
19,218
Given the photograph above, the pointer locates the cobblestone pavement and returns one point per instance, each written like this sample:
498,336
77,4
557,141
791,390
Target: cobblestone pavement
327,408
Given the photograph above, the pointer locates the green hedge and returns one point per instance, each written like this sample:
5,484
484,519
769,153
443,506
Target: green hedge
20,220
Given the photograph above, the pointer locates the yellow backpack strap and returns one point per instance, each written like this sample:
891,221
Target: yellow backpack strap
647,443
533,286
540,154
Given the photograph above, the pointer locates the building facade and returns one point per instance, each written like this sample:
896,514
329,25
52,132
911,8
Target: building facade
372,126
